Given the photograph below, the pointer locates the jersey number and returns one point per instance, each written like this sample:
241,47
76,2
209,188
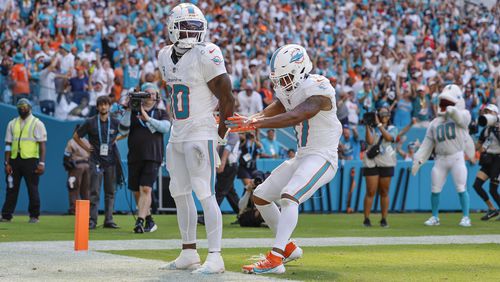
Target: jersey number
305,133
446,132
180,100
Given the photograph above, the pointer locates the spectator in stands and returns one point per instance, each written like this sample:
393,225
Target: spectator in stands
352,106
67,60
87,54
349,145
48,95
378,164
403,109
131,73
291,153
341,98
20,79
366,98
79,85
250,101
422,108
270,147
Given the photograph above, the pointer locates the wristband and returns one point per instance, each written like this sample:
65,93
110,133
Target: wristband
379,125
6,163
7,148
41,163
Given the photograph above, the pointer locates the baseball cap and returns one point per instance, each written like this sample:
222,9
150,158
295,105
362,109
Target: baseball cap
149,86
22,102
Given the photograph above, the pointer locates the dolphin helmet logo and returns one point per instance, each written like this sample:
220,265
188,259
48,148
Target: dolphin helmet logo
297,56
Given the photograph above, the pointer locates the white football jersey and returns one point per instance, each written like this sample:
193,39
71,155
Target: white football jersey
448,138
320,134
193,104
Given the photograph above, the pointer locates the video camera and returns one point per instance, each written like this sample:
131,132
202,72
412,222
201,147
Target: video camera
488,120
369,119
135,100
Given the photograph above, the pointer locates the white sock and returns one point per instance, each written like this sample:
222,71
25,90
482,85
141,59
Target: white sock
287,222
271,215
187,218
213,223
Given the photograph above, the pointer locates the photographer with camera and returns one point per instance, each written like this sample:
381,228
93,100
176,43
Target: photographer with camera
145,122
489,146
379,161
249,215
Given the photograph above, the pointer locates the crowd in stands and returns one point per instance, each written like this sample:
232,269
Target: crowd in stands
62,55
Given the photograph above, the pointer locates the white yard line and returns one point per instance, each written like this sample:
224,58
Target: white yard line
56,260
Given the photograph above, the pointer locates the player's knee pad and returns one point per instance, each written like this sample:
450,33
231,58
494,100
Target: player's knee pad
478,186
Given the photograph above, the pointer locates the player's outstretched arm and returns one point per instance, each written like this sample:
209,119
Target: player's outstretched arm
274,109
306,110
221,87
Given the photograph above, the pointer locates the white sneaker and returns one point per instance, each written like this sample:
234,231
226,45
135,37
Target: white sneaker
465,222
213,265
188,259
432,221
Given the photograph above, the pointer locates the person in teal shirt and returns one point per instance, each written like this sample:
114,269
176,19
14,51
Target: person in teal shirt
270,147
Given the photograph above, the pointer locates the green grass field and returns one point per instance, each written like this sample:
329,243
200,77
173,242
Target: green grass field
371,263
52,228
479,262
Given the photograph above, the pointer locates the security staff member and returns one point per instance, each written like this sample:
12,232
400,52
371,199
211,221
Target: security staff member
102,132
489,144
76,162
145,131
24,158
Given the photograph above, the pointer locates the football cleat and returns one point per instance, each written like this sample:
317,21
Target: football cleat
292,252
489,215
269,264
465,222
214,264
188,259
432,221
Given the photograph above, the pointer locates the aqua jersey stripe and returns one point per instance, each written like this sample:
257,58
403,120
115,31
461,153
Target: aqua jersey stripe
313,181
305,133
273,58
212,165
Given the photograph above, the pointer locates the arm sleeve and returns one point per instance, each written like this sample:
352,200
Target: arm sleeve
425,150
460,117
40,132
124,126
8,132
470,150
212,62
84,129
162,124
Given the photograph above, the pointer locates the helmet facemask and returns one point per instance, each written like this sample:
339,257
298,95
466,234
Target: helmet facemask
186,33
287,83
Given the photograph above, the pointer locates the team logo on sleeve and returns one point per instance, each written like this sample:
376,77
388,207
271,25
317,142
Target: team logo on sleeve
217,60
297,56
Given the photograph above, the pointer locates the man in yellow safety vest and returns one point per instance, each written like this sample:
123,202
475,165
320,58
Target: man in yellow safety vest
24,158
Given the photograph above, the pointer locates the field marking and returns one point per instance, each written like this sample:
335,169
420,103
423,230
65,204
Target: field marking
154,244
56,260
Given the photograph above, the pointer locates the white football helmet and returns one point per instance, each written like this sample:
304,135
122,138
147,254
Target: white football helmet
186,25
450,96
290,65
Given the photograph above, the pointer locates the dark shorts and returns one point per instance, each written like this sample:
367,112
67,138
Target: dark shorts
492,169
244,172
143,173
380,171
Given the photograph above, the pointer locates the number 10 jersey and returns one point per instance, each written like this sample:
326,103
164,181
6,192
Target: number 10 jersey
192,102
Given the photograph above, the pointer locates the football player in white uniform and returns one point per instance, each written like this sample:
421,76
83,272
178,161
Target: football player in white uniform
197,82
448,135
306,102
